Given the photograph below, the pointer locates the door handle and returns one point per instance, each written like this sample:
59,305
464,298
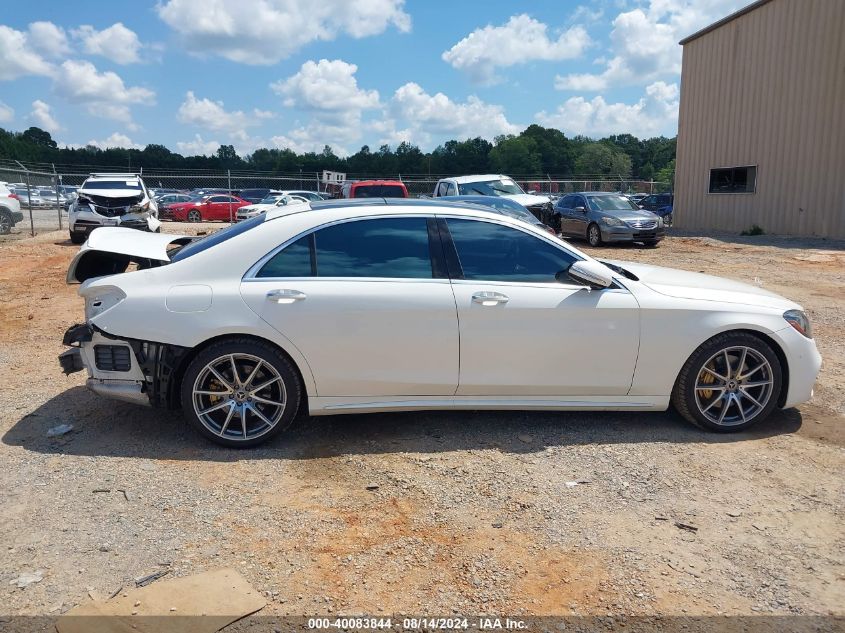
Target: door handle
285,296
487,298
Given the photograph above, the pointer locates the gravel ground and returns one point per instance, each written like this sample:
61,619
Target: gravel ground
429,512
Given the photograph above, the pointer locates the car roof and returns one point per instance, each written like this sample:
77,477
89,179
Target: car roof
377,182
594,193
476,178
390,206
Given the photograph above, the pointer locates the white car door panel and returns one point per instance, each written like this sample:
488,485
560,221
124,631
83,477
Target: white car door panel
366,338
360,301
525,328
545,340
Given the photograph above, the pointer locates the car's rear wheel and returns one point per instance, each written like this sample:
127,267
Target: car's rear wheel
729,383
77,238
5,223
194,216
594,235
240,392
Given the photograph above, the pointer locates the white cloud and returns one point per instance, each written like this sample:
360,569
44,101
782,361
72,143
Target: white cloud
118,43
7,114
266,31
645,42
115,140
329,93
48,39
197,147
522,39
212,115
17,57
104,94
42,117
328,88
438,114
655,113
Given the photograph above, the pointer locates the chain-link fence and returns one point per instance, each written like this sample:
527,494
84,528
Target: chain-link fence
34,202
45,195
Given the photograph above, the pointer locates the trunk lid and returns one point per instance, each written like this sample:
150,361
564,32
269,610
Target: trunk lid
110,250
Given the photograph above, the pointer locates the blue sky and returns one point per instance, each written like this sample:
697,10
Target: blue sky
194,74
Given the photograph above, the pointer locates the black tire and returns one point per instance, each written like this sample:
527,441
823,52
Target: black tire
194,216
684,392
5,223
77,238
651,243
270,355
594,235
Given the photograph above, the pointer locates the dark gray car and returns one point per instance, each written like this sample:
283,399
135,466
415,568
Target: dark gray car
607,217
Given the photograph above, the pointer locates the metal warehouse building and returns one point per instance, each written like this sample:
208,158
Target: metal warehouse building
761,129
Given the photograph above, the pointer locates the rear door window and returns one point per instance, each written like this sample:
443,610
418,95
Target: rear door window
385,248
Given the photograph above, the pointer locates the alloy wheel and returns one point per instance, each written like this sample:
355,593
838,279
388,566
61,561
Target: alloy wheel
734,386
5,224
194,216
239,397
595,235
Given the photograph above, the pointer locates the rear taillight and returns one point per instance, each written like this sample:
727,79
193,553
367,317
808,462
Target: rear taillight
15,196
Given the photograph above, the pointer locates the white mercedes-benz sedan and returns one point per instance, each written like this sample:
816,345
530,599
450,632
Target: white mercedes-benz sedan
399,305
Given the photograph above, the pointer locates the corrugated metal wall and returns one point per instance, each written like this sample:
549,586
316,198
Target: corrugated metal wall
766,89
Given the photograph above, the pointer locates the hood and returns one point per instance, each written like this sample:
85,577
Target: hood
627,215
256,207
111,193
687,285
110,250
527,199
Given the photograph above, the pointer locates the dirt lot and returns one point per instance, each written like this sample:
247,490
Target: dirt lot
430,512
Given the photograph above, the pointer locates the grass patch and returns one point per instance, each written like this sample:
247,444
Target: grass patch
755,229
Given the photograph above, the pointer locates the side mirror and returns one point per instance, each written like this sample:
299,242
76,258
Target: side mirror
589,273
581,209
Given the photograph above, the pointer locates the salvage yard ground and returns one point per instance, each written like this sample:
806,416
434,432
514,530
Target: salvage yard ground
507,513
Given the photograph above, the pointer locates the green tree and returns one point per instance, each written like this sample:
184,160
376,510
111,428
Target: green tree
666,177
37,136
516,155
600,159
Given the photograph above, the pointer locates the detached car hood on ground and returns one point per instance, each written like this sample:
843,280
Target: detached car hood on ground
110,250
687,285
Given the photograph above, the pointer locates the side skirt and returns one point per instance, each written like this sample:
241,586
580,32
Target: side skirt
338,405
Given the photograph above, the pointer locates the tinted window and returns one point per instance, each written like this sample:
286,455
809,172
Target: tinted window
733,180
565,202
218,199
111,184
392,247
493,252
293,261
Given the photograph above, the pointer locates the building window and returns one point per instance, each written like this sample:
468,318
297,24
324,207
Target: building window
733,179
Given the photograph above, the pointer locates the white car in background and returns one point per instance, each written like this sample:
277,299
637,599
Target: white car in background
362,306
10,209
112,200
499,185
272,201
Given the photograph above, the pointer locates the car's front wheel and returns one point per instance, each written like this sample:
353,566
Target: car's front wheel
77,238
729,383
240,392
194,216
594,235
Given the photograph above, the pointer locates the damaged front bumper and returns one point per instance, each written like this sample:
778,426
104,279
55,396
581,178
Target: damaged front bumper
140,372
84,221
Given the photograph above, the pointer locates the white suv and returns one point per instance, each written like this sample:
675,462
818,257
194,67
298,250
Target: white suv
10,209
112,200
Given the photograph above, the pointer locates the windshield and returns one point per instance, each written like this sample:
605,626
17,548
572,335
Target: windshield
499,187
611,203
270,199
112,184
